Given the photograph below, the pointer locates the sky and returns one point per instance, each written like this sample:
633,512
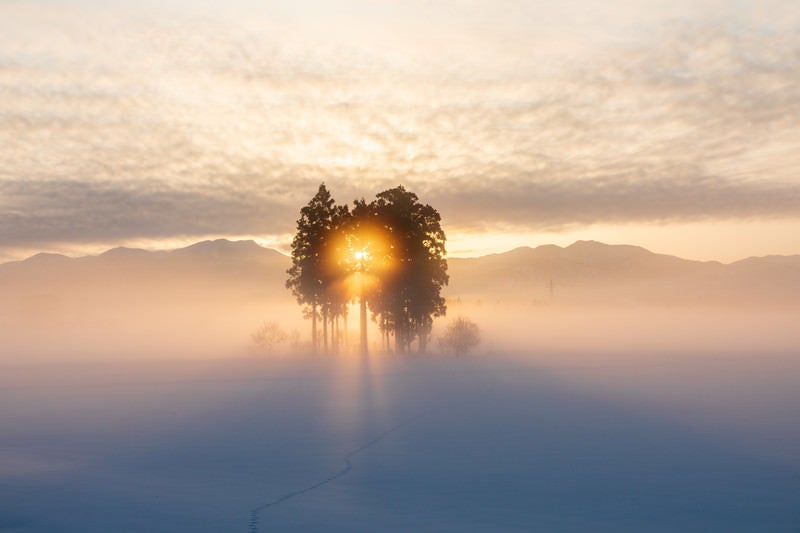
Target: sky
668,124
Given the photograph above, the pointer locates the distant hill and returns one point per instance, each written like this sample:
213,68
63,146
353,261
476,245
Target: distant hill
209,297
584,272
597,273
206,298
236,263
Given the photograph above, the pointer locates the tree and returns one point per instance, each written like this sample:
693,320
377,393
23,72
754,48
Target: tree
394,247
409,295
306,275
461,336
268,335
335,296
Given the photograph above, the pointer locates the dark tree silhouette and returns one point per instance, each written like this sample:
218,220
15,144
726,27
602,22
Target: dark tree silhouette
406,267
409,295
307,273
332,276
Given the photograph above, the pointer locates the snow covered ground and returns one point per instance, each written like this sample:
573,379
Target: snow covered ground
478,444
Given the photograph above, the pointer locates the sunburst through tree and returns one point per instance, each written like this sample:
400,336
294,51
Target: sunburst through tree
389,254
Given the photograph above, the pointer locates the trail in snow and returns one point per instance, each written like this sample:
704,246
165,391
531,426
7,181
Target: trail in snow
348,465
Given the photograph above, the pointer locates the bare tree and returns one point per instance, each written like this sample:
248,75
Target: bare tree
461,336
268,335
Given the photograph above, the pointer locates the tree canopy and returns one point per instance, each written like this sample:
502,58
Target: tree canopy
390,251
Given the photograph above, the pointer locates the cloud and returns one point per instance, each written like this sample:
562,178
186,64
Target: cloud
531,204
64,211
117,127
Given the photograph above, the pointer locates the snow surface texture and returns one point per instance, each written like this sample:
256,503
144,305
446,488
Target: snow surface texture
348,465
441,445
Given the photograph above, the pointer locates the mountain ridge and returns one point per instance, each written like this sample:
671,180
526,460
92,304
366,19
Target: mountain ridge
216,246
583,272
207,247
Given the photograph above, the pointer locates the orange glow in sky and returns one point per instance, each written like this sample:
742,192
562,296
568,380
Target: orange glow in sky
670,125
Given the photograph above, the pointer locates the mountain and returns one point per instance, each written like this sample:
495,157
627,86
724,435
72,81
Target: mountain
234,262
205,298
210,297
582,263
597,273
584,272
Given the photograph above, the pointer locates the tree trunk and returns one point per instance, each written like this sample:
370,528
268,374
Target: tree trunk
344,319
337,332
314,338
398,345
325,328
385,334
363,325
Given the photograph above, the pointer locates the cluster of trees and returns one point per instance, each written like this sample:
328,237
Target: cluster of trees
390,252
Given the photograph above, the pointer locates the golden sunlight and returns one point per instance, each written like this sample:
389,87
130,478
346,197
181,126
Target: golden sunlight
320,265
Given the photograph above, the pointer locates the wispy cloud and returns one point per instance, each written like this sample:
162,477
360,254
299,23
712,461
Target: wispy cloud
117,125
553,205
74,211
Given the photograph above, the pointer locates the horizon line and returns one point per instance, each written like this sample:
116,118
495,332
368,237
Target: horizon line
449,256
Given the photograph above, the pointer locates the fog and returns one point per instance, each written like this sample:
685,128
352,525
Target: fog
541,336
157,323
636,333
208,323
134,399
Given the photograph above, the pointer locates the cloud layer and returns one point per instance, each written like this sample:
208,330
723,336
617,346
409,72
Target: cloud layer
120,125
